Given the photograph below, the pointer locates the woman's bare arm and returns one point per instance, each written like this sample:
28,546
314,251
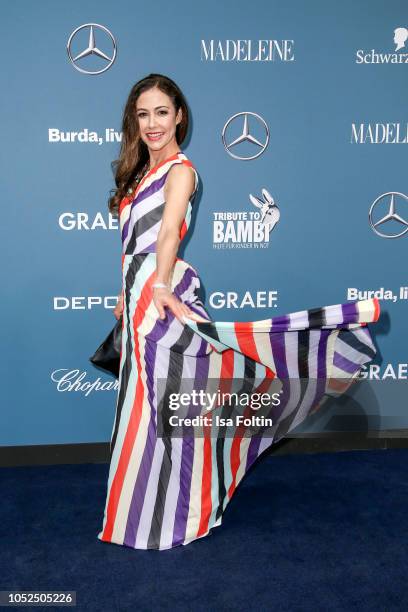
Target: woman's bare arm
177,191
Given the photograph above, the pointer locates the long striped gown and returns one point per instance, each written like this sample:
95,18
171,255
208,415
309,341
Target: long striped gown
168,490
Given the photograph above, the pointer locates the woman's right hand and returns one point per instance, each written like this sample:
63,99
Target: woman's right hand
118,310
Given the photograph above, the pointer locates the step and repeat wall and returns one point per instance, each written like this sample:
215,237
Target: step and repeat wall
297,108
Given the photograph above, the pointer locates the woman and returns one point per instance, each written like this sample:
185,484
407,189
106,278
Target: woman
169,484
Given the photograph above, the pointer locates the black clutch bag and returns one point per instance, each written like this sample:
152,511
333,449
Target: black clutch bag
107,355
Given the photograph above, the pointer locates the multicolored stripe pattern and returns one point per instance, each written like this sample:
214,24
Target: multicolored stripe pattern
140,215
165,492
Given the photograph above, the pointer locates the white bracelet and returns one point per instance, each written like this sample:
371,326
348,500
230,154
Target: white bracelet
161,285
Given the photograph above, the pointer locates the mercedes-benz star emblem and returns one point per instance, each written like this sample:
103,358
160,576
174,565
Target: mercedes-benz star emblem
245,136
92,49
391,219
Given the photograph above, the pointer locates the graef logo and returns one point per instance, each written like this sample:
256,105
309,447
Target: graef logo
247,50
375,57
393,371
91,50
83,221
379,133
241,121
270,213
383,214
248,299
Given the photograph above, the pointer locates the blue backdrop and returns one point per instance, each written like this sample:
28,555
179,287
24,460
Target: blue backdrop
325,88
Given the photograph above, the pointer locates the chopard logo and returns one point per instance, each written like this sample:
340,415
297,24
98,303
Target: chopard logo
91,51
375,57
73,380
234,123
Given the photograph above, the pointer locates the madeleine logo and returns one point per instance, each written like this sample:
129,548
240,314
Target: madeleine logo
247,50
377,57
379,133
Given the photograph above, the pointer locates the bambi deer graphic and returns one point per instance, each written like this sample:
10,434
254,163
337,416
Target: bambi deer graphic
270,213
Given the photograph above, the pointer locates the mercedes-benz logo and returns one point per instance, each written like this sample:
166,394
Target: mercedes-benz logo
245,136
92,49
391,217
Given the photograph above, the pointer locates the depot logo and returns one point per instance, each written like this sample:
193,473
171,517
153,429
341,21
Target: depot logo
91,302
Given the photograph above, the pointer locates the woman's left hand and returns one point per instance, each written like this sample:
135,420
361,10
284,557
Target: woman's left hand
164,297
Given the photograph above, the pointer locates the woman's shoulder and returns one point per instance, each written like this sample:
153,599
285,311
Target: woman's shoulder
185,162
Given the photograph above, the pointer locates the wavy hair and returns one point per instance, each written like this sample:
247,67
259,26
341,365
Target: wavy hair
134,154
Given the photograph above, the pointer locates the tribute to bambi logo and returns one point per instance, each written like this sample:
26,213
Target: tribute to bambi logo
385,203
246,229
92,49
373,57
245,135
270,213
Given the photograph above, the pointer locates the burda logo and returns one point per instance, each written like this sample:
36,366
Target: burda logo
382,294
85,136
376,57
239,229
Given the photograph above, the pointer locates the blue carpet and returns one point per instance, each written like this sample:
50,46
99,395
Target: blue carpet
318,532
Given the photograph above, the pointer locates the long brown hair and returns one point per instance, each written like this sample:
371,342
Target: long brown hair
134,154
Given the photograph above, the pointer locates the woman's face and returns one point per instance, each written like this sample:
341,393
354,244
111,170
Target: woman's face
157,119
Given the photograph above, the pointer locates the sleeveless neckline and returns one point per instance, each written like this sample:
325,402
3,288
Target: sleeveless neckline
162,162
148,174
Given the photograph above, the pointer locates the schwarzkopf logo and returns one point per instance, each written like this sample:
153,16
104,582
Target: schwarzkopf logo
373,57
383,214
107,58
247,50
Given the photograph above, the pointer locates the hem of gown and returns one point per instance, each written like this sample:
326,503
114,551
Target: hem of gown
183,543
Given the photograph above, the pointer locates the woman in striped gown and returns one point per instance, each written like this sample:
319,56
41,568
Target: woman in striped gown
169,485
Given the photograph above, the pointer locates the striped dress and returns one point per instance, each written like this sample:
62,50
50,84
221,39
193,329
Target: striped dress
168,487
